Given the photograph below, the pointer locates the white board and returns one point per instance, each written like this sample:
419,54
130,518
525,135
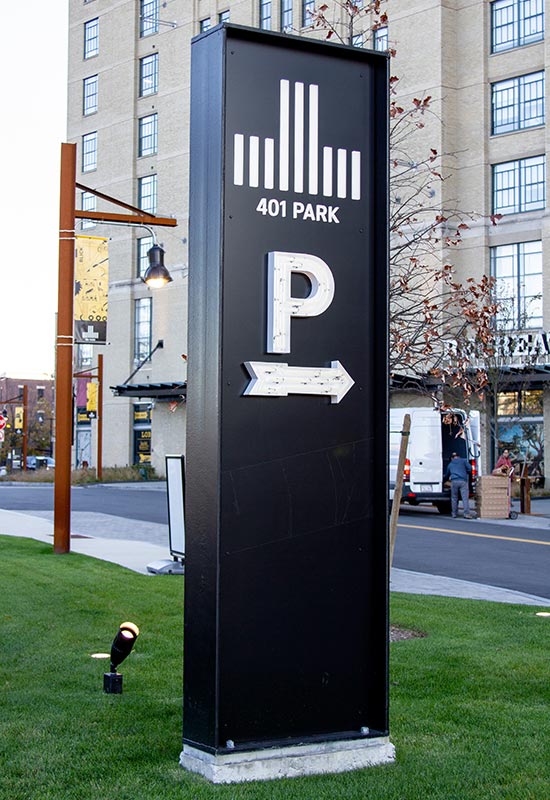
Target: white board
175,479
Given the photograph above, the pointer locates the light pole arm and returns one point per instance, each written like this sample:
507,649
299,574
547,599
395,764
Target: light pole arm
64,341
138,217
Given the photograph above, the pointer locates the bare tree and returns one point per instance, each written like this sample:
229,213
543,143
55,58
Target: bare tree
429,306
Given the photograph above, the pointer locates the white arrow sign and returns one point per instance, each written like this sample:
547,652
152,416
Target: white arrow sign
280,380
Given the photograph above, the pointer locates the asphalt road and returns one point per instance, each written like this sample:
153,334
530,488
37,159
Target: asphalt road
512,555
515,555
145,502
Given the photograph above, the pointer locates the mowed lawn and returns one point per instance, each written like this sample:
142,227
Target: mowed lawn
470,701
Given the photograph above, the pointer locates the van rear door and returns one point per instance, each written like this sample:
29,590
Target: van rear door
397,416
474,440
425,451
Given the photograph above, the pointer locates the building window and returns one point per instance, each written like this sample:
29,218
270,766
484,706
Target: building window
89,152
91,38
518,103
88,203
519,185
148,17
90,90
265,15
144,244
148,75
223,16
147,194
308,7
286,15
148,135
528,402
205,25
515,23
357,40
380,39
520,429
143,328
517,269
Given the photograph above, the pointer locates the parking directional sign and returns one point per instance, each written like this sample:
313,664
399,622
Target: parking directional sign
286,617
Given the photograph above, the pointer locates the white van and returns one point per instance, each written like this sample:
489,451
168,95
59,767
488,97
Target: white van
434,436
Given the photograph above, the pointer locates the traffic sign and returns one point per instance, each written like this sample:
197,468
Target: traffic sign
3,422
2,435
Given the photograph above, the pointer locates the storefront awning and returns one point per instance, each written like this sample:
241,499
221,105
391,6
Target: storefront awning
157,391
535,376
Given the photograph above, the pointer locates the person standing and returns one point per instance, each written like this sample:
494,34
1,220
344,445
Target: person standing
458,472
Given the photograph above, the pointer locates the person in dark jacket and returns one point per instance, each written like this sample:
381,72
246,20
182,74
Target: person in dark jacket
458,472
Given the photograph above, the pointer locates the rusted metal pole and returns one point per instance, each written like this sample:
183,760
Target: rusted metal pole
25,426
99,471
525,491
64,353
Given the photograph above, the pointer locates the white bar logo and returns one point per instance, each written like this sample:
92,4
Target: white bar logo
336,171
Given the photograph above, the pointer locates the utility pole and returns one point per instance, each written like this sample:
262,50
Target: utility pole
64,354
25,425
99,471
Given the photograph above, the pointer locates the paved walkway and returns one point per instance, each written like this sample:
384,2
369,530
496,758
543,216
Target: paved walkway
135,544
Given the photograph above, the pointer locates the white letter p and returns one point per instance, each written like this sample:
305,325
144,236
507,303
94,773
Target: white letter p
281,306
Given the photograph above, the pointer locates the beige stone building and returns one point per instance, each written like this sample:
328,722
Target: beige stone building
482,63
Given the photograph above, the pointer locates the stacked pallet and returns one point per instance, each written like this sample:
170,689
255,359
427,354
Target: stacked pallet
493,500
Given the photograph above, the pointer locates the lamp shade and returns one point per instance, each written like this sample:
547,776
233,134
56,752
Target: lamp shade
156,274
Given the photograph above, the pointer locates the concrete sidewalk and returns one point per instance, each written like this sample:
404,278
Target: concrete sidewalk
134,544
123,541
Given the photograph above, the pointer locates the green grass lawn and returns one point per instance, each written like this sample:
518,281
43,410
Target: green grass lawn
470,710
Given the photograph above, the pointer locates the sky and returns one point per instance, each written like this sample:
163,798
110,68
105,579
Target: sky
33,60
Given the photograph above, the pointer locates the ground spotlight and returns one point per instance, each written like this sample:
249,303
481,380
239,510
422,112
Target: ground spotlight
120,648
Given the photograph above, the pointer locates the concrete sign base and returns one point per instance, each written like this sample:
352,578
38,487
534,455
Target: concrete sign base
289,762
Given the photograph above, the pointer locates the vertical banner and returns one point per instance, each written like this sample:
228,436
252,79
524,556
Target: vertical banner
18,418
91,289
91,399
142,434
286,595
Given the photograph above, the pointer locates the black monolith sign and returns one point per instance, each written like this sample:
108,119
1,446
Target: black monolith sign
286,585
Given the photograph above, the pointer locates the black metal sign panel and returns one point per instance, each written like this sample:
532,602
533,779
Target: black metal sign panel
286,497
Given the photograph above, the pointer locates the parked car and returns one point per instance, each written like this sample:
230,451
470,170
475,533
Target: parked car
45,462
